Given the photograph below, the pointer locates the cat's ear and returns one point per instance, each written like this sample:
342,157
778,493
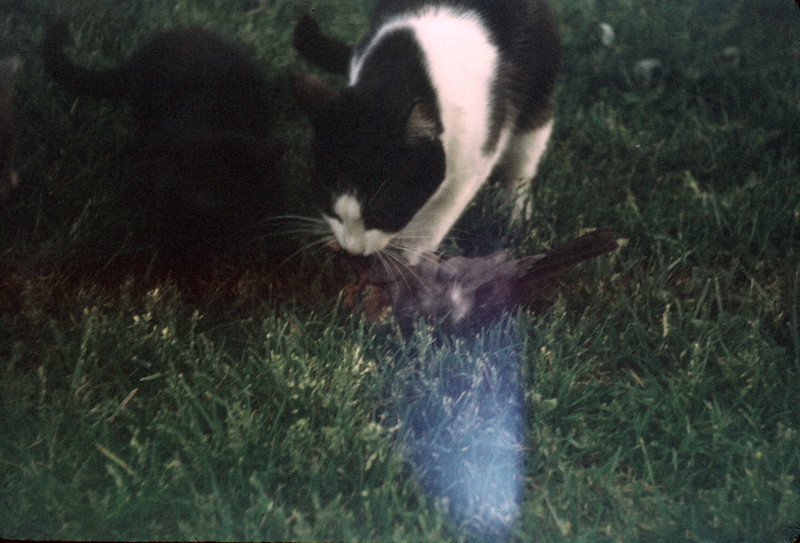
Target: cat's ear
422,125
312,93
319,49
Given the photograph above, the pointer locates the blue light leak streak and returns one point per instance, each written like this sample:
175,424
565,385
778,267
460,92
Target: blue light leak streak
466,443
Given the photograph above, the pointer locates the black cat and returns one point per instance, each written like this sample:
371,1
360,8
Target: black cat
204,160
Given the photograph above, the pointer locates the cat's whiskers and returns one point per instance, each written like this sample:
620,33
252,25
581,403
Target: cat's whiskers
297,219
314,244
298,224
406,244
401,262
375,194
400,266
312,233
387,263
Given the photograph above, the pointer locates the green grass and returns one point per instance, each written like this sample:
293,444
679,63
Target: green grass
246,402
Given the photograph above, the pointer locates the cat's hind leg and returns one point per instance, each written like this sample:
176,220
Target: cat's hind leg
518,167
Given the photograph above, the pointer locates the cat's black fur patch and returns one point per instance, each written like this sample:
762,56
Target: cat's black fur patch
363,136
204,161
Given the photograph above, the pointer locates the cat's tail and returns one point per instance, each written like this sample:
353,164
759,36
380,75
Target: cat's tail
99,83
318,49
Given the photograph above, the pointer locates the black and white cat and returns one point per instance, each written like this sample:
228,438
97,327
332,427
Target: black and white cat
204,161
442,95
8,135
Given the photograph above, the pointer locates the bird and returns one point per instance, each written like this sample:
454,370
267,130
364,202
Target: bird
464,292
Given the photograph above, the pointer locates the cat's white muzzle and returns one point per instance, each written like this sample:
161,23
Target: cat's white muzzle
357,241
348,227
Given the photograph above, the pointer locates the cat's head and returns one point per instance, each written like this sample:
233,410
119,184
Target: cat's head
207,183
379,162
8,177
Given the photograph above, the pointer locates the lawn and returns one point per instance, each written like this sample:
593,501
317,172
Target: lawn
655,399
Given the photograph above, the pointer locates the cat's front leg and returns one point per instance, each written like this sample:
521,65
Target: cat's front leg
518,167
423,235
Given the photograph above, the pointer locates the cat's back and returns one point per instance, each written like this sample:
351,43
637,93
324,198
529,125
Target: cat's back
506,20
192,73
523,32
192,54
501,54
476,55
186,60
